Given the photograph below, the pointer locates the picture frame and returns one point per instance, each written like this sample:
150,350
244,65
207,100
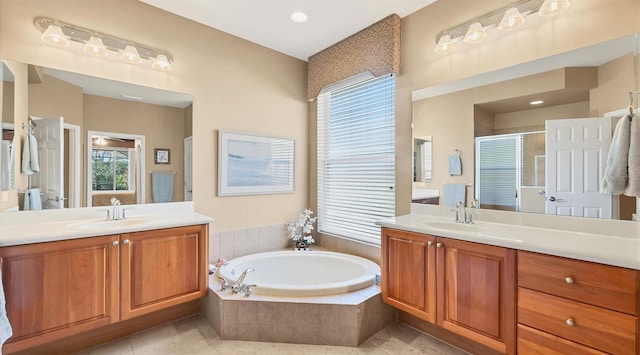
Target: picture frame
162,156
250,164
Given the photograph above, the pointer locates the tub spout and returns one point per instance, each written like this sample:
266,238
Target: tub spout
238,285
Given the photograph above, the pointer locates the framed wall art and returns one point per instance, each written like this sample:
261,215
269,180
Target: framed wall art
251,164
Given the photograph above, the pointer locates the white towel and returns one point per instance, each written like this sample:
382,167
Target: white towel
455,164
30,155
453,193
633,182
32,200
616,174
5,327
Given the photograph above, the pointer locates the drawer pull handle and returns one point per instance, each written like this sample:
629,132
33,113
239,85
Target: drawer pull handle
115,243
570,322
126,241
438,245
429,243
569,280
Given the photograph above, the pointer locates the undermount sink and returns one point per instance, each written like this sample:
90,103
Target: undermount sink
101,223
453,226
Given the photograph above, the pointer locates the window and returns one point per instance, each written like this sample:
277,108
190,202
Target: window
112,169
356,159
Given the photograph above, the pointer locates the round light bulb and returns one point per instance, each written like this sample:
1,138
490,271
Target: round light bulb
299,17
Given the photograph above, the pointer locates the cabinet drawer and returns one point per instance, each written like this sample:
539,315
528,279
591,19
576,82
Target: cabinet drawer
533,342
595,327
600,285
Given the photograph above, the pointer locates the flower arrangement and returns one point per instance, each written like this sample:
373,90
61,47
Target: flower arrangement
300,230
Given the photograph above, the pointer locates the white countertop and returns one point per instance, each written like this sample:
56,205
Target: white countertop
53,225
618,250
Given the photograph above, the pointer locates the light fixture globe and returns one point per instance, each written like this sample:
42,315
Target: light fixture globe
475,34
299,17
161,63
130,55
445,45
553,7
95,47
512,19
54,35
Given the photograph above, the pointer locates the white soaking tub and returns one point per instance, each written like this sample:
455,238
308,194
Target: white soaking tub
302,273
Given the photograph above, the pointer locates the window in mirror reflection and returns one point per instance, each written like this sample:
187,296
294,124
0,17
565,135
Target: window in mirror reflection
113,167
7,176
422,158
506,166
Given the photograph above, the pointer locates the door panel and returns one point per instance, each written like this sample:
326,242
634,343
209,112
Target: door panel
576,151
50,179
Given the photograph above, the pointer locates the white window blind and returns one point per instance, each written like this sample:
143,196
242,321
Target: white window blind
356,159
498,170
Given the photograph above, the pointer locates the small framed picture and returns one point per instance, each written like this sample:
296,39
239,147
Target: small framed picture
162,156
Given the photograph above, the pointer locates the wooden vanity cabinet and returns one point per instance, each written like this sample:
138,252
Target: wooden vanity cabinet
58,289
409,273
572,304
162,268
466,288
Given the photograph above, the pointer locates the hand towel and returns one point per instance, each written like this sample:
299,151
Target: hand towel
453,193
616,174
455,164
30,155
162,186
5,327
32,200
633,181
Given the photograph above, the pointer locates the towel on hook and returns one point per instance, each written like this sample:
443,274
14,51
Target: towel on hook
5,327
455,164
30,155
453,193
162,186
32,200
633,180
616,173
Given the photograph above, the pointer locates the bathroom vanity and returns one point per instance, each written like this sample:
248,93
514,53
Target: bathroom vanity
510,287
62,278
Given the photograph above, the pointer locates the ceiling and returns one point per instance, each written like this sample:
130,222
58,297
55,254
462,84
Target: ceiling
267,23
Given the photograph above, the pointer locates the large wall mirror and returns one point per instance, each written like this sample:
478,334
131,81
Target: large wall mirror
96,140
510,157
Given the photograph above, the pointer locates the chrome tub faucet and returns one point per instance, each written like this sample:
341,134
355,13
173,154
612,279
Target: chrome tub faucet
239,284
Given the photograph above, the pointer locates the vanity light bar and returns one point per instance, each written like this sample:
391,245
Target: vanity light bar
116,44
487,21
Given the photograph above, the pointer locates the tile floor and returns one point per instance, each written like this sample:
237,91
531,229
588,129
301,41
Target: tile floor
194,336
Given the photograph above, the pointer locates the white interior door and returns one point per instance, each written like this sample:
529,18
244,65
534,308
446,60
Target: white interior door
188,169
576,151
50,179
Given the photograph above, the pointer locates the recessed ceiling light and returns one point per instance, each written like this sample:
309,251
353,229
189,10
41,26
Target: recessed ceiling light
299,17
132,98
537,102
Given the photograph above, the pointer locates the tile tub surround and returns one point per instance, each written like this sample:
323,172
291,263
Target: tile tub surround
341,320
241,242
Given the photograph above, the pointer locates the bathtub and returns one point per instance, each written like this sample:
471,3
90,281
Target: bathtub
302,273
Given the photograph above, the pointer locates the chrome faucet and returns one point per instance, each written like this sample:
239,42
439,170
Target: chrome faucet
460,213
469,215
114,206
239,284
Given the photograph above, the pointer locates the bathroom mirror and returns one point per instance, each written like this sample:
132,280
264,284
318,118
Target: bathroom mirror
592,82
110,130
6,148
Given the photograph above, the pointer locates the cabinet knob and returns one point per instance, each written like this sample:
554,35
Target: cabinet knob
429,243
438,245
569,280
115,243
126,241
570,322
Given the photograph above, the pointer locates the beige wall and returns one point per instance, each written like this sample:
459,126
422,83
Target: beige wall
615,80
7,101
235,85
56,98
536,117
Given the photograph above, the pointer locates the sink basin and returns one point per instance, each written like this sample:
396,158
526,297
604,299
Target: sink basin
102,224
453,226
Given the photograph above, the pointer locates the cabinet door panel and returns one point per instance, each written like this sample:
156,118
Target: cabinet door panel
59,288
476,292
162,268
408,276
